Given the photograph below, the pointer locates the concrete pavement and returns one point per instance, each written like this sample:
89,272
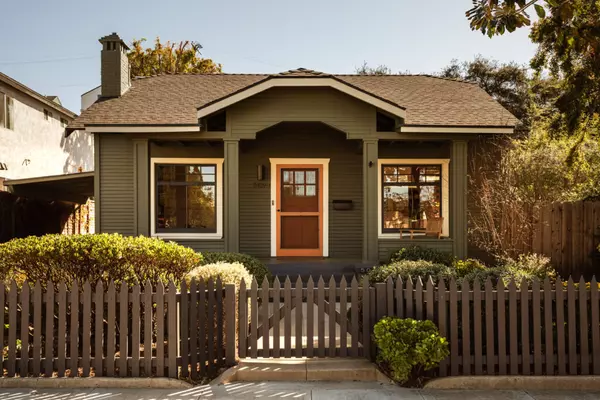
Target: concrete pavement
291,390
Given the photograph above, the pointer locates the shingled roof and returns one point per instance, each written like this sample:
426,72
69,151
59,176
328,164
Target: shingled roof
174,99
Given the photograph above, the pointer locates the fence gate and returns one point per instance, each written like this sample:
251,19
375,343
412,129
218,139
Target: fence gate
303,320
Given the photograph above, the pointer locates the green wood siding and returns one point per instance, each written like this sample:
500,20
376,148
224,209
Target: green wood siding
116,184
327,105
388,246
202,245
301,141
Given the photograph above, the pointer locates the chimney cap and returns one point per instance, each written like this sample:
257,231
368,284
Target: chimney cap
113,37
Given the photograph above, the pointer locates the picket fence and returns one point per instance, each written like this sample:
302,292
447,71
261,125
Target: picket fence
538,328
117,331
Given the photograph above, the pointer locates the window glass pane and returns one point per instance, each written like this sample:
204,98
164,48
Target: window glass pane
201,207
299,177
311,190
389,170
390,178
208,169
395,207
430,202
311,177
405,174
171,207
429,174
299,190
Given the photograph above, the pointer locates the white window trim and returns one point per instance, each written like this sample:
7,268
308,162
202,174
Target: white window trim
219,209
444,162
308,161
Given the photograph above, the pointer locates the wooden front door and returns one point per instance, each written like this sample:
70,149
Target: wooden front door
299,210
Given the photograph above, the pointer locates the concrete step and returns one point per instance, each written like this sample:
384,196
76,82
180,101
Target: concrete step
302,369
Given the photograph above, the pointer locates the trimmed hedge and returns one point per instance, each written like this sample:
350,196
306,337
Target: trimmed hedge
254,266
105,257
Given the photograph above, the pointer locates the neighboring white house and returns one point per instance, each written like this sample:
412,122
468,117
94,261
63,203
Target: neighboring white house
32,135
90,97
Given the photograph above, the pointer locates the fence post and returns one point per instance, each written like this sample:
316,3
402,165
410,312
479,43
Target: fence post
230,337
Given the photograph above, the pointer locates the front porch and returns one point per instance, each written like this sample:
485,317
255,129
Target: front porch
354,236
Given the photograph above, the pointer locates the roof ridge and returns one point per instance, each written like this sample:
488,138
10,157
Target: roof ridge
196,74
412,75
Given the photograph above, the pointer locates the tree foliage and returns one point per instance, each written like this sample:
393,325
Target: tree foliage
568,37
169,58
365,69
508,83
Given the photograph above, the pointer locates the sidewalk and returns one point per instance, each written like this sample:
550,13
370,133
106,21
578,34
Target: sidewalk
290,390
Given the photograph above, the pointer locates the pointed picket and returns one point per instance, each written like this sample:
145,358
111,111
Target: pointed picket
583,328
501,327
310,317
490,354
477,330
264,296
254,319
111,300
453,303
321,316
99,330
331,298
354,306
344,318
276,318
594,318
287,317
299,316
571,327
243,320
525,351
442,320
466,327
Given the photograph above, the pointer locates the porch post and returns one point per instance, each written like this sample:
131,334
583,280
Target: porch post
141,188
458,203
370,231
231,186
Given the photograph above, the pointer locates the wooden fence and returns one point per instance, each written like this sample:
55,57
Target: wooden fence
541,328
568,233
529,329
117,331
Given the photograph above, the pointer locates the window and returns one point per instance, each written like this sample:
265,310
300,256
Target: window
186,198
7,119
411,193
63,122
47,115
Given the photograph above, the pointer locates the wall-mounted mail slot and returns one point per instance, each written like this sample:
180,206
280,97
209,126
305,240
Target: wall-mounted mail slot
342,204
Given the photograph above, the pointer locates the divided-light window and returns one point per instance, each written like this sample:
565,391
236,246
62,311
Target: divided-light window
186,198
412,195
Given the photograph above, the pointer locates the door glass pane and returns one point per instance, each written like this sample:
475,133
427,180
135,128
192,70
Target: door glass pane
299,190
311,177
288,190
287,177
311,190
299,177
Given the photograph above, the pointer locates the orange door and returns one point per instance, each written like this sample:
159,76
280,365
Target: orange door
299,211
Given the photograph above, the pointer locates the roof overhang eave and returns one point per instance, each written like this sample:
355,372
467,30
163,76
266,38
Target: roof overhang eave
284,81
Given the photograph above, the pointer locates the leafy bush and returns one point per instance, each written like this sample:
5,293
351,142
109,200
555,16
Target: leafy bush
227,272
252,264
526,266
467,267
412,269
104,257
416,253
408,347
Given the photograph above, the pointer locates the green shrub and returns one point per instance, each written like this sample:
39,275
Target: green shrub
104,257
412,269
416,253
482,274
526,266
227,272
467,267
408,347
252,264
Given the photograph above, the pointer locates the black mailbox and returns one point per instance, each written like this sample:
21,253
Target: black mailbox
342,204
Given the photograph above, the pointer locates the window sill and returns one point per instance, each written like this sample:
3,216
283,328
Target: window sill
197,236
416,236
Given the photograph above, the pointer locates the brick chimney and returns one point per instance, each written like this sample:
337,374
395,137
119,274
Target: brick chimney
114,69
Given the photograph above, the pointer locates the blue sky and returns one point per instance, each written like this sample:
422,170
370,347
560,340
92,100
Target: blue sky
52,46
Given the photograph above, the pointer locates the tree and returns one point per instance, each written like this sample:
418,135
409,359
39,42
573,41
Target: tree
169,58
508,83
365,69
568,36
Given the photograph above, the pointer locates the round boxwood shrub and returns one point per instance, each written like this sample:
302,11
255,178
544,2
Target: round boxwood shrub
410,269
408,347
252,264
467,267
60,258
229,273
416,253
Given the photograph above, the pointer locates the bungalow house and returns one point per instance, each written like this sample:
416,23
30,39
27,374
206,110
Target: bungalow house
294,164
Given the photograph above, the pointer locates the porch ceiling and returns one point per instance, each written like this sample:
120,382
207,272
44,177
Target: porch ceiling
76,188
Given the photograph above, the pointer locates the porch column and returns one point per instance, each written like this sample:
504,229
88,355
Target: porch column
231,186
141,188
458,201
370,199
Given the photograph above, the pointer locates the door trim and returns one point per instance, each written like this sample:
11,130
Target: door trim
324,164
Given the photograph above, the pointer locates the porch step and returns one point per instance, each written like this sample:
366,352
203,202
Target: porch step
302,369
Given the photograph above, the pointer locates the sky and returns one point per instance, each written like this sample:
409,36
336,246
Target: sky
52,46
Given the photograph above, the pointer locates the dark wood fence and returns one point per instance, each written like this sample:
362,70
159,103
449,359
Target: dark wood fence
537,328
117,330
568,233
